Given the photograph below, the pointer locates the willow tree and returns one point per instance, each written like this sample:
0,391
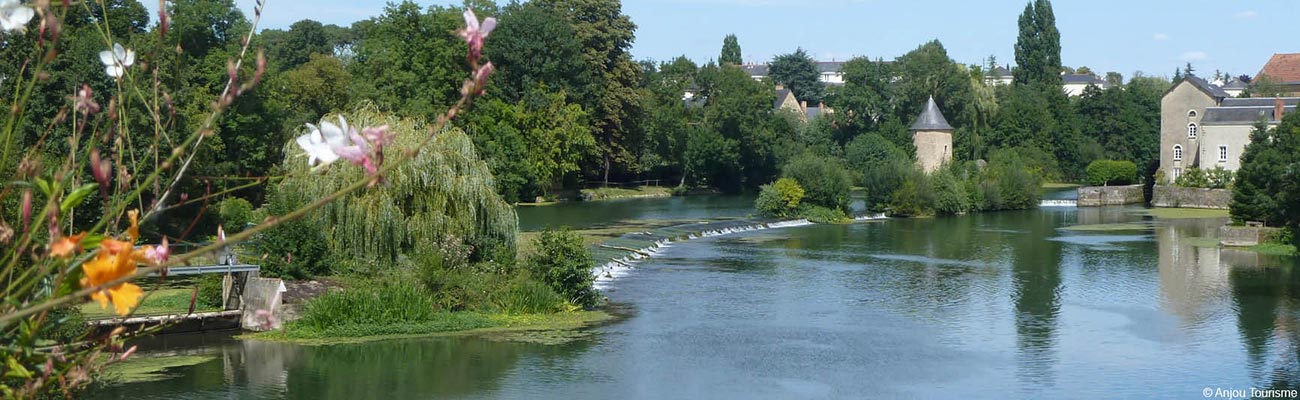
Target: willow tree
443,197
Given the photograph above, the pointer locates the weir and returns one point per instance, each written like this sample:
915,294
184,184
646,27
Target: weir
243,294
623,253
1059,203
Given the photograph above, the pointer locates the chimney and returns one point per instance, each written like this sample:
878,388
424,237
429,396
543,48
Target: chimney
1278,107
780,87
803,105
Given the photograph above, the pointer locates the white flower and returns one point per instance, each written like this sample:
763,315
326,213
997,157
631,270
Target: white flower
321,142
116,60
14,16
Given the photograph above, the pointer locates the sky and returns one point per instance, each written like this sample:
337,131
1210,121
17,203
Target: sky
1154,37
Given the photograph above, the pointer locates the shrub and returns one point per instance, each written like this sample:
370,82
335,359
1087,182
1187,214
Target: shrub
235,214
1193,178
1011,183
292,249
209,291
1033,160
950,197
825,182
823,215
376,303
1111,172
562,261
906,201
780,199
1219,178
528,296
880,164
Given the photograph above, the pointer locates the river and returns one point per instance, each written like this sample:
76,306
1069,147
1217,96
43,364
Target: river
995,305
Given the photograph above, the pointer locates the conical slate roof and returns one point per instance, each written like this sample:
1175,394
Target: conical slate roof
931,119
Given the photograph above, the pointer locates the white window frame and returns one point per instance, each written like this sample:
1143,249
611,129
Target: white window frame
1178,152
1192,131
1177,173
1223,153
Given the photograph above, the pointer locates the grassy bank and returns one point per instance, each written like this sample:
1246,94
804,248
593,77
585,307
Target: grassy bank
503,326
610,193
1186,213
157,302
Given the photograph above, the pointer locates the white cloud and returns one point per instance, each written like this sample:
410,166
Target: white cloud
1248,14
1194,56
1160,37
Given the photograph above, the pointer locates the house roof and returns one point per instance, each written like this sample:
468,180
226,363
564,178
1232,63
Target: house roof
755,69
830,66
931,119
814,112
1282,68
1213,91
781,95
1078,79
1258,102
1241,115
1235,84
1000,72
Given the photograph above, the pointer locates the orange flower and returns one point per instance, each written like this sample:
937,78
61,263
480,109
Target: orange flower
67,245
116,259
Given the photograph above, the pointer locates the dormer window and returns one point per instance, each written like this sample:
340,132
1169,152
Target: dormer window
1178,152
1191,114
1191,131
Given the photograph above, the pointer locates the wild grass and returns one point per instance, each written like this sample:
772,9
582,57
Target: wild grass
1274,249
620,193
158,302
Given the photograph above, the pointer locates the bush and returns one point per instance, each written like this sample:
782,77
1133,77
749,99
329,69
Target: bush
780,199
881,165
906,200
825,182
562,261
235,214
209,291
1011,183
373,304
292,249
1219,178
1193,178
950,197
1112,172
528,296
823,215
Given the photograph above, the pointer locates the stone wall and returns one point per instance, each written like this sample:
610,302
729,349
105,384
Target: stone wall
1095,196
1245,236
1182,197
933,149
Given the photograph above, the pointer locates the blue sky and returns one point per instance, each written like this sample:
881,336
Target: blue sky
1105,35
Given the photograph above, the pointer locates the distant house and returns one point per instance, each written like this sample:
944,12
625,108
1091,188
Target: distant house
1284,70
830,72
1074,84
998,76
785,100
1233,87
1203,126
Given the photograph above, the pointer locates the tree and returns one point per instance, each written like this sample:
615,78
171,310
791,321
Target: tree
666,118
606,36
866,98
1268,184
412,77
739,109
798,72
294,47
927,71
730,51
535,45
1038,47
825,182
317,87
531,145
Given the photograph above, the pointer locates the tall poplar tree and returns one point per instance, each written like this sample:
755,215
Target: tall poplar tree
730,51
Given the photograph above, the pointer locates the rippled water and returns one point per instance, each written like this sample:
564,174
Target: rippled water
999,305
606,212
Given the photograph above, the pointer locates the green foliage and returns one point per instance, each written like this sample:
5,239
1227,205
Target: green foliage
798,72
417,78
1267,187
950,196
1192,177
1111,172
209,295
908,200
1038,47
377,303
882,166
318,86
927,71
562,261
825,181
533,145
730,51
1219,178
823,215
235,214
737,110
445,191
865,99
291,249
780,199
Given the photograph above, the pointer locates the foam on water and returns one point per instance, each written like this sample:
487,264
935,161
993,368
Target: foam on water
1059,203
620,266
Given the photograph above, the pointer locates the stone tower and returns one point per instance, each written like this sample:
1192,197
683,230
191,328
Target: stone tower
933,138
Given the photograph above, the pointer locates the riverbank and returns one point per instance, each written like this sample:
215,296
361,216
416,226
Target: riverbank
613,193
536,328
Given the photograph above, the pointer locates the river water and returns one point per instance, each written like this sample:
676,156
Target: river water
996,305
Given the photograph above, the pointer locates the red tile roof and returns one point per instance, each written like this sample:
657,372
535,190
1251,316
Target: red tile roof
1282,68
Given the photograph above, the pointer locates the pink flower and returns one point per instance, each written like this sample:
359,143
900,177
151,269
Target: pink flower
158,254
481,76
84,101
474,33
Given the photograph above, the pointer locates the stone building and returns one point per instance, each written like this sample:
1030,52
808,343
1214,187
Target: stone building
1202,126
933,138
